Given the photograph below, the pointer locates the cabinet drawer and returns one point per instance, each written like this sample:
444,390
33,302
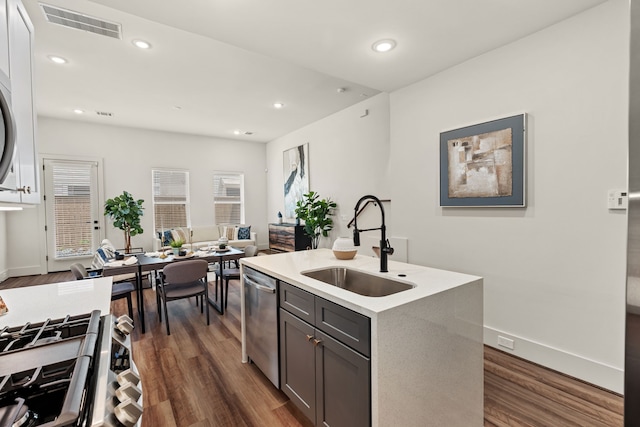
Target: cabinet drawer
347,326
297,302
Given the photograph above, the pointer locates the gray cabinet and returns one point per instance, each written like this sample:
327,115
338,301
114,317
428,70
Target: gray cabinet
321,370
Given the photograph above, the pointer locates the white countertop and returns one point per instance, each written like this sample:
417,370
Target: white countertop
428,281
56,300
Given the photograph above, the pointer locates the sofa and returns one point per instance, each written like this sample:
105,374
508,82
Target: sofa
197,237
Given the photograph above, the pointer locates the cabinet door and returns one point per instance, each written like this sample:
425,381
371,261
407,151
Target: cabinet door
297,363
4,41
349,327
343,385
21,73
298,302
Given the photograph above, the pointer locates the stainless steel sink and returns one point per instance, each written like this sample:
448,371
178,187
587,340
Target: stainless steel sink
359,282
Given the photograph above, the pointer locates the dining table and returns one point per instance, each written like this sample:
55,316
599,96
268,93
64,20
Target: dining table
147,263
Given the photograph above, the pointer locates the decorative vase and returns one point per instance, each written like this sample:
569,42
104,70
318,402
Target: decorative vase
176,251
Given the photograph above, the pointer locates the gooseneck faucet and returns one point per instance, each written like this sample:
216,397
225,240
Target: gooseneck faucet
385,249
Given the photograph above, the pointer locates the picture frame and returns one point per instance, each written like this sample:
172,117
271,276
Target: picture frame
483,165
295,171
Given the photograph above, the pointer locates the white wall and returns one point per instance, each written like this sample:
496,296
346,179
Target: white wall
128,156
4,271
555,271
348,158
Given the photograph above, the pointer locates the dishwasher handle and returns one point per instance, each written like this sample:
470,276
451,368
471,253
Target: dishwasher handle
258,286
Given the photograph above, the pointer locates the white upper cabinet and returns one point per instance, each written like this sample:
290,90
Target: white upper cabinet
4,40
23,105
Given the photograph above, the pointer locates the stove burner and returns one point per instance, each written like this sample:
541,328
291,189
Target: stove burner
46,371
47,332
17,415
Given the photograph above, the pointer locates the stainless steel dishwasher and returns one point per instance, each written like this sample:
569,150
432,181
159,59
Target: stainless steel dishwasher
261,322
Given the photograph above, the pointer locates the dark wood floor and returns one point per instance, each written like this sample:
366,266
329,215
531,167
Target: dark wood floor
195,378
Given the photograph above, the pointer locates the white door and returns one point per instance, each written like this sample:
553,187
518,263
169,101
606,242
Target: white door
74,219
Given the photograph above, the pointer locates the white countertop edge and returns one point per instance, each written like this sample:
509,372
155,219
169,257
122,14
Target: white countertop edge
288,266
56,300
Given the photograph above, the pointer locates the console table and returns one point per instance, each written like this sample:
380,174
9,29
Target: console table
288,238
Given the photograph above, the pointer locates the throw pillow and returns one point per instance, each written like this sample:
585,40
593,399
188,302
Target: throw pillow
168,238
230,232
164,237
178,234
244,233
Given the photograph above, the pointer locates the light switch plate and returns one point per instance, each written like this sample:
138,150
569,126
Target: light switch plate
617,199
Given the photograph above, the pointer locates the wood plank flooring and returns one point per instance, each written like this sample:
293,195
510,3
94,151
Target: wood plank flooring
194,377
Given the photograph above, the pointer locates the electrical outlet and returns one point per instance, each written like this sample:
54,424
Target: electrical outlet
505,342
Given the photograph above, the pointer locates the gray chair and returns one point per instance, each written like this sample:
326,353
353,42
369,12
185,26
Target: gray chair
233,273
183,279
119,290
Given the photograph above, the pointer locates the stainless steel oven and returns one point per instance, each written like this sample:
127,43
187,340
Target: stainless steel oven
74,371
7,136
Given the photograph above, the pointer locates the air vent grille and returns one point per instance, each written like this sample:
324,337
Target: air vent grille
104,114
68,18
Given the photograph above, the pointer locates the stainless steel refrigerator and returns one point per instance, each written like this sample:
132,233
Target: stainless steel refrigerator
632,332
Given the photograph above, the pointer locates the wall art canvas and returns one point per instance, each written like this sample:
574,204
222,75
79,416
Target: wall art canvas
296,177
484,164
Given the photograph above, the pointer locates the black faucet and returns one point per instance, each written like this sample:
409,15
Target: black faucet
385,249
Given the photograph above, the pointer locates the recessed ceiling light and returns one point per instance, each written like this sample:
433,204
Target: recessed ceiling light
236,132
57,59
278,105
383,45
141,44
78,111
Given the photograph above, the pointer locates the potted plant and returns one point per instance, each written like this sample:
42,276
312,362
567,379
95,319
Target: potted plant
125,212
316,214
176,245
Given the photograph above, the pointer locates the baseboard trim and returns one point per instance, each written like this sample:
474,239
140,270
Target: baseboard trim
591,371
26,271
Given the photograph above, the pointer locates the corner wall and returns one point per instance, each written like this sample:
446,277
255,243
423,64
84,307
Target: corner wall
348,158
554,273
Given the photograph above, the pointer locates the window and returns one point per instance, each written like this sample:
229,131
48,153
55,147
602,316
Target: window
72,206
170,199
228,197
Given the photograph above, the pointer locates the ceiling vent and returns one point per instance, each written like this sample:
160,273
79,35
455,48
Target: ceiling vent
248,133
71,19
104,114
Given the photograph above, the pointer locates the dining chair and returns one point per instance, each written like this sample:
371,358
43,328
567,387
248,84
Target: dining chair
233,273
119,290
183,279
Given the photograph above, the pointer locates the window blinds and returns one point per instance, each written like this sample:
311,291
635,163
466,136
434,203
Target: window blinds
73,221
170,199
228,195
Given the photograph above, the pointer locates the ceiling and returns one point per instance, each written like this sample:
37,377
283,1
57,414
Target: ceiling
218,66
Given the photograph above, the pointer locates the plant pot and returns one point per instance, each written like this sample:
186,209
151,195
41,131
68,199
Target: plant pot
176,251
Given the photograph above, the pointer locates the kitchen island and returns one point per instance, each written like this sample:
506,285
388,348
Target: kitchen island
426,343
39,303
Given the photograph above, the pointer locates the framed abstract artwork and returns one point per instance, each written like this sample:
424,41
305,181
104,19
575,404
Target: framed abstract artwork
483,165
296,177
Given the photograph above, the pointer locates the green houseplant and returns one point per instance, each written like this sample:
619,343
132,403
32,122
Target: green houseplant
125,212
176,245
316,214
